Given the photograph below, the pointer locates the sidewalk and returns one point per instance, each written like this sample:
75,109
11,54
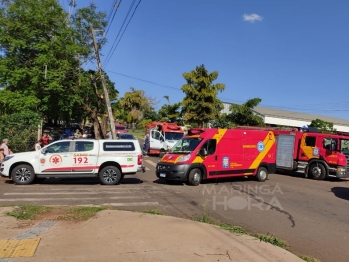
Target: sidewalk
129,236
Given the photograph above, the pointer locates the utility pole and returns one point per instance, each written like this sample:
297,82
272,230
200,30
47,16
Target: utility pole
106,95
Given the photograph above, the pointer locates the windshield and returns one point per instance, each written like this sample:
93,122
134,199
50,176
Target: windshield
345,146
126,136
119,128
185,145
173,136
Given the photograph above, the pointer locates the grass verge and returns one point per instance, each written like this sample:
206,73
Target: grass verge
308,259
81,213
153,212
28,212
239,230
139,133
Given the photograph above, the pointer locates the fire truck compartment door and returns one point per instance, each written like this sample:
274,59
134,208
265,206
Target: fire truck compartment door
284,151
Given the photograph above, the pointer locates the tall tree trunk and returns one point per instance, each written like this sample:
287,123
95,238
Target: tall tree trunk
104,124
97,125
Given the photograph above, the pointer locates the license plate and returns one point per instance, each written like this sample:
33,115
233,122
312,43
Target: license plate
162,175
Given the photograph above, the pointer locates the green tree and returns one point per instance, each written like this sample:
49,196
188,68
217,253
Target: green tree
243,115
200,101
222,121
323,126
151,114
38,56
21,129
12,102
41,56
134,104
89,98
171,113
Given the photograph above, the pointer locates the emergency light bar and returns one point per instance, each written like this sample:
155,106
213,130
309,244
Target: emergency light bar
342,133
266,128
195,131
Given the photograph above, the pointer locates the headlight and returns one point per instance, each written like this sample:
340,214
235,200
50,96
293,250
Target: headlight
184,158
8,158
341,169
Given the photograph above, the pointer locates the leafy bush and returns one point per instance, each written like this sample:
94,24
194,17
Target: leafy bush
21,129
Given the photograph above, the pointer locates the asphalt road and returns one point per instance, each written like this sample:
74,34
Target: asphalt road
312,216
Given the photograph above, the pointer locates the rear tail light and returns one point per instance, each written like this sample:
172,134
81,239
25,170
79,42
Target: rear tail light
140,159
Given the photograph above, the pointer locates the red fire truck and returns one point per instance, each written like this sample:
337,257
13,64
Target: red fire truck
219,153
315,154
163,136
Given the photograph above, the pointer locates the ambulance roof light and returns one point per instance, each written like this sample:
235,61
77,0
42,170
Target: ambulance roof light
195,131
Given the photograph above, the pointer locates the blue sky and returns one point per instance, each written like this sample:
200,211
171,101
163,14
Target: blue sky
294,55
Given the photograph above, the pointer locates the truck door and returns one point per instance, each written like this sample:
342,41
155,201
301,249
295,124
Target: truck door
330,145
211,159
155,142
58,158
308,148
85,157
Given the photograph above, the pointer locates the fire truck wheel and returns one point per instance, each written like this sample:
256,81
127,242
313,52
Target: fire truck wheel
195,177
262,174
317,171
110,175
23,175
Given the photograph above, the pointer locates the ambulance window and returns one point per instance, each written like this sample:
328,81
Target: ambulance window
310,141
210,145
81,146
60,147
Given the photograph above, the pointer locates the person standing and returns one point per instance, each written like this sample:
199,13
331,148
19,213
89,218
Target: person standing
146,146
38,145
4,145
45,139
2,156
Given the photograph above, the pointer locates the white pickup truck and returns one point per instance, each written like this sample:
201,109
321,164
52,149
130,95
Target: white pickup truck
110,160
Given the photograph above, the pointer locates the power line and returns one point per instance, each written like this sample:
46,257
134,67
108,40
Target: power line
236,101
146,81
123,23
116,8
134,11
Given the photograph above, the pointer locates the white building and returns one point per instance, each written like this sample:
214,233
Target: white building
273,116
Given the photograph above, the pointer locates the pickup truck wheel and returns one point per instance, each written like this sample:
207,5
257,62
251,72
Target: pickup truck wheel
317,171
110,175
23,175
262,174
195,177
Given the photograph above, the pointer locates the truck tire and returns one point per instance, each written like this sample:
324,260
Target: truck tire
195,177
23,174
110,175
317,171
262,174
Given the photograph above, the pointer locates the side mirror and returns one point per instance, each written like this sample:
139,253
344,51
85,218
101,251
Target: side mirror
44,150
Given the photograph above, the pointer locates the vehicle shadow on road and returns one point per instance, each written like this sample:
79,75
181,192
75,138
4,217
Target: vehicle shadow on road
290,173
301,175
79,181
341,192
172,183
207,181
